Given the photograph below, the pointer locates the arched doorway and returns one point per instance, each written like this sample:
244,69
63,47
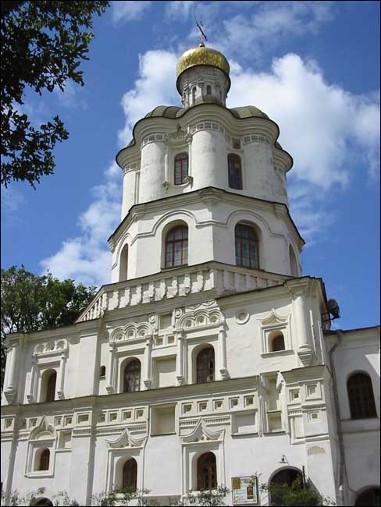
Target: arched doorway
279,482
41,501
369,497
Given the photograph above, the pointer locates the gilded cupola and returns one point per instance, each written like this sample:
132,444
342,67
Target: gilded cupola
202,76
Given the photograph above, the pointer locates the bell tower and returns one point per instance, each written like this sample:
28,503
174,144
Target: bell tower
205,184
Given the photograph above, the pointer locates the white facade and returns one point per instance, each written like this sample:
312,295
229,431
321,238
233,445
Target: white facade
263,408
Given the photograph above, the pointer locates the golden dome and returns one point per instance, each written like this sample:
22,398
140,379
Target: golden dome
202,56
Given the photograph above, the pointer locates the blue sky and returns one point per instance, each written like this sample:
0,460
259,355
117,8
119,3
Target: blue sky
313,67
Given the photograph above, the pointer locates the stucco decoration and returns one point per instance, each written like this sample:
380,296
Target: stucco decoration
274,318
202,433
202,315
132,331
242,317
43,431
50,347
127,439
179,136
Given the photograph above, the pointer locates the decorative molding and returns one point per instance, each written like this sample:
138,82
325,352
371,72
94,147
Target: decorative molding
211,196
127,439
201,433
220,279
51,347
151,138
198,317
252,138
131,331
242,317
133,166
305,354
274,319
43,431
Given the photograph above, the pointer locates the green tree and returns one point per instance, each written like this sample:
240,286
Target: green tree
206,497
42,45
298,493
33,303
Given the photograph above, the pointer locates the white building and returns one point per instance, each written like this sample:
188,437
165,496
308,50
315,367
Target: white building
209,357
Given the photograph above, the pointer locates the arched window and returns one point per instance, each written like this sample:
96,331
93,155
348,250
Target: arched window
246,246
369,498
206,471
102,371
235,171
181,168
277,342
132,376
176,247
205,365
123,264
44,460
51,386
361,398
130,472
193,95
208,90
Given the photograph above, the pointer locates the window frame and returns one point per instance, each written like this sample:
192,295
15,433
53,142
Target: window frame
136,377
44,460
206,478
243,243
134,482
204,371
361,396
173,246
235,173
181,171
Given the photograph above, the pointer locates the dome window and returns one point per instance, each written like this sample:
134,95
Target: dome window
235,171
181,168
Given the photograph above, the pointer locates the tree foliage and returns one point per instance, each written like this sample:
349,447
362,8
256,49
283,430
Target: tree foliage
298,493
43,43
33,303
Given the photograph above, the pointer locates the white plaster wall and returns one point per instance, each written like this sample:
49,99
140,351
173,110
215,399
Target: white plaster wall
209,159
259,170
129,196
152,172
163,465
362,456
359,351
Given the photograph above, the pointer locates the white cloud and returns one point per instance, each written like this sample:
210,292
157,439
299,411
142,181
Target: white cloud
322,125
155,87
179,9
252,28
71,96
12,201
86,258
128,11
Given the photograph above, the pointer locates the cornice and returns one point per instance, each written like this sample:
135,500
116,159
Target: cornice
237,127
164,395
209,196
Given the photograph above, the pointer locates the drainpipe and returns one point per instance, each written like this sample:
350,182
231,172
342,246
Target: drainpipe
343,468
